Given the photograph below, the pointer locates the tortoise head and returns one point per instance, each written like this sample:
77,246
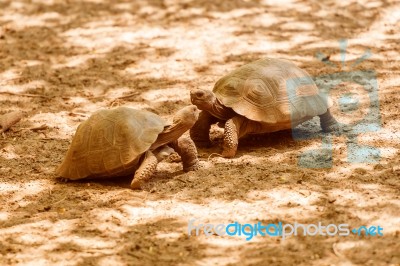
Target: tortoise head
186,116
203,99
183,120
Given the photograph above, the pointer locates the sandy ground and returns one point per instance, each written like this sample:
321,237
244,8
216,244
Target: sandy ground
62,60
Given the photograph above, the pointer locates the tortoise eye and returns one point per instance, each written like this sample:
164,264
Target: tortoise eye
199,94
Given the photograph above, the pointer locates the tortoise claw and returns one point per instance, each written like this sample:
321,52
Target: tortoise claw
194,167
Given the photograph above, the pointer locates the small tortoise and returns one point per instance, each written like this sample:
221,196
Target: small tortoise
123,140
254,99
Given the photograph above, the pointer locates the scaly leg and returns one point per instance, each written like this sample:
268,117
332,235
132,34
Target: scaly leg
145,171
235,128
200,132
185,147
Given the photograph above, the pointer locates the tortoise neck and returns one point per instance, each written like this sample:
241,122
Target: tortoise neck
169,134
220,111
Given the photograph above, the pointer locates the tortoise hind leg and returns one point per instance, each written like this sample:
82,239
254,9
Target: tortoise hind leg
328,122
145,171
200,132
186,148
235,128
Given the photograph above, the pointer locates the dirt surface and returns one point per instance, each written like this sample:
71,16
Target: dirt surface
62,60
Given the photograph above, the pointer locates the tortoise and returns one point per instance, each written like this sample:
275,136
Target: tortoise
255,99
123,141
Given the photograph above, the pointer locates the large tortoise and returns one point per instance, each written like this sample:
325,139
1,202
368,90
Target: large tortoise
123,141
266,95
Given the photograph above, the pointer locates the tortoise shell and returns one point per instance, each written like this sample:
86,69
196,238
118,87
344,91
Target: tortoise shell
268,90
110,143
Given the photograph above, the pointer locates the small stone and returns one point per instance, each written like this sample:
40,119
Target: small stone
360,171
379,167
396,169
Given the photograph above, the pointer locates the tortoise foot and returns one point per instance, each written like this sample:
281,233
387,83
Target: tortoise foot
193,167
329,123
229,153
331,127
336,128
136,184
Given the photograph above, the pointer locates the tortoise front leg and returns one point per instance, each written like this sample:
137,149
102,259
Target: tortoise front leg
200,132
235,128
186,148
145,171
